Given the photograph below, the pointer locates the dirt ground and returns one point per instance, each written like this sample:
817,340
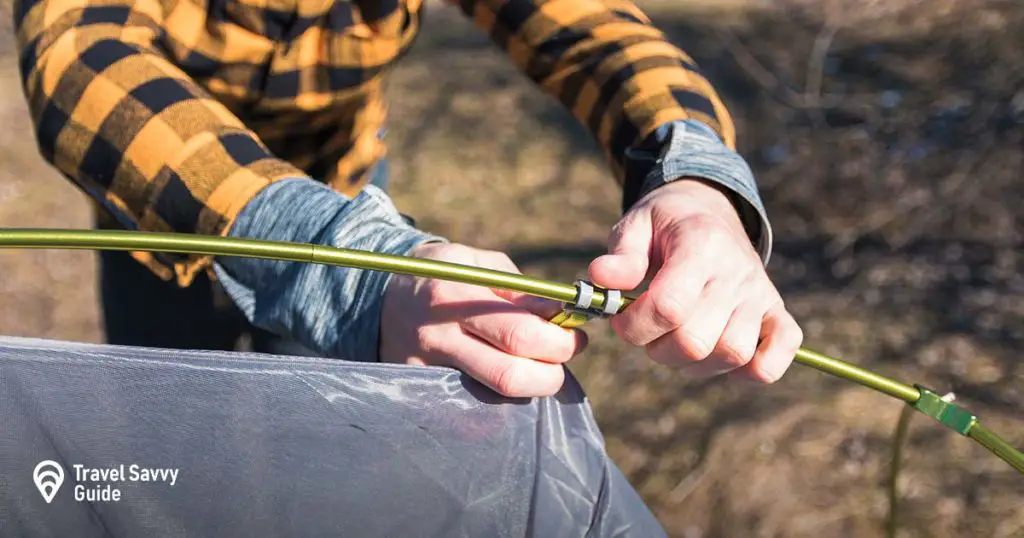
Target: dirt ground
886,137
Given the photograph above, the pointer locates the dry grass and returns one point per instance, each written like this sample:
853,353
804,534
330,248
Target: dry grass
886,137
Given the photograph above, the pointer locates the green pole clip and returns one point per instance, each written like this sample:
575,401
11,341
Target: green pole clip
945,411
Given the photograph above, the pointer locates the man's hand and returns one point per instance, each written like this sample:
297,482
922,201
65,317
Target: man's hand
710,307
497,337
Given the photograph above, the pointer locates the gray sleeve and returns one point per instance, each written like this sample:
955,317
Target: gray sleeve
691,149
332,310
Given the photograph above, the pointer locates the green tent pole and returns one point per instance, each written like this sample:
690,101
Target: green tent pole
922,399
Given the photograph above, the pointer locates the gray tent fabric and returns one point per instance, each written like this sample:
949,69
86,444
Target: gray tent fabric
239,444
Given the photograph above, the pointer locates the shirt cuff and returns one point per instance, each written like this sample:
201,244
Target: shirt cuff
690,149
332,310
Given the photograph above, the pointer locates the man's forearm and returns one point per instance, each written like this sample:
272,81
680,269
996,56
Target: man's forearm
332,310
627,84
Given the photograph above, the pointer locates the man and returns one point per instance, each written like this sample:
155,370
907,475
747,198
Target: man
261,118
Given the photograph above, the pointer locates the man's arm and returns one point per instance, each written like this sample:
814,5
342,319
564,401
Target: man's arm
131,129
146,142
693,216
655,116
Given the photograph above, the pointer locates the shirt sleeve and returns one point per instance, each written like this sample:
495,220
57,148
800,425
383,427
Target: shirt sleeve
130,129
608,65
690,149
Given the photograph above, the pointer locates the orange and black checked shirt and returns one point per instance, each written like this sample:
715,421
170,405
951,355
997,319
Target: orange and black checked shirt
173,114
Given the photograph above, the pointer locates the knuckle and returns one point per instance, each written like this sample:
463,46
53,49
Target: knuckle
440,292
505,378
735,354
428,338
516,338
693,346
667,309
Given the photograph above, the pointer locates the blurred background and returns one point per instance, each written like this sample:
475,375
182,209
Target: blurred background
886,136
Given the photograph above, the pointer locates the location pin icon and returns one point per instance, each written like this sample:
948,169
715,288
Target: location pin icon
48,476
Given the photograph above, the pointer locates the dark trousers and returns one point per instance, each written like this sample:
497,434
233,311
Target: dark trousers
140,309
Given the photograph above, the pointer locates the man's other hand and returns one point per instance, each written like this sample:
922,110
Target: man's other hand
500,338
710,308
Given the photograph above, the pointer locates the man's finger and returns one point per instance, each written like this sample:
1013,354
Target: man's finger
499,261
518,332
506,374
737,345
695,340
781,338
629,253
669,301
545,308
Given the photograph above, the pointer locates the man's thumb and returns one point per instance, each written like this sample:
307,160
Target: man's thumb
629,252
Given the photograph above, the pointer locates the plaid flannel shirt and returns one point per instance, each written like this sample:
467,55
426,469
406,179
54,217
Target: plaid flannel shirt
173,114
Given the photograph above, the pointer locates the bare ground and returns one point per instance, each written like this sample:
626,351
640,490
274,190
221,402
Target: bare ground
887,139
